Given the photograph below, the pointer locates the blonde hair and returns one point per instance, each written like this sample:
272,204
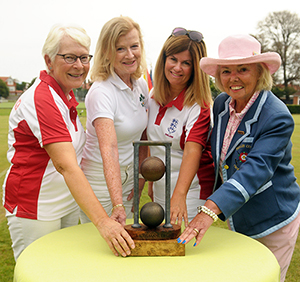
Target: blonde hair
265,81
106,48
198,90
57,32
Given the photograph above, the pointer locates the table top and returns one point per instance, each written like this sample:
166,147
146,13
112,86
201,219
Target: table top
79,253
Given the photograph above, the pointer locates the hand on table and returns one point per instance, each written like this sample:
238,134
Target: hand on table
116,237
178,211
199,225
197,228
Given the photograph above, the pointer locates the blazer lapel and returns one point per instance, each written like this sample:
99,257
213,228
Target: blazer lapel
244,128
221,127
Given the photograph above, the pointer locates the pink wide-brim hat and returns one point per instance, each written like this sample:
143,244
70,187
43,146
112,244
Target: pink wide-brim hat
239,50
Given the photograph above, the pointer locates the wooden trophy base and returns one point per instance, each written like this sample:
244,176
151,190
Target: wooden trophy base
158,241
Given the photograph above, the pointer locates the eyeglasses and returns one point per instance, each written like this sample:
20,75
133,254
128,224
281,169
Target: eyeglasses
71,59
192,34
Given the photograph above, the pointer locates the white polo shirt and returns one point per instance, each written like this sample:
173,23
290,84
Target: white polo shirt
113,99
179,124
42,115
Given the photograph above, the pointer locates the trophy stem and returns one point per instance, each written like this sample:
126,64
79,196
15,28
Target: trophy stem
167,145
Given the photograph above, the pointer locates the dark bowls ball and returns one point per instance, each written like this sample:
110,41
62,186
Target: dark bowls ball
152,214
152,168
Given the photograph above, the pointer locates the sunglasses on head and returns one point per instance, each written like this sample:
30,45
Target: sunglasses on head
192,34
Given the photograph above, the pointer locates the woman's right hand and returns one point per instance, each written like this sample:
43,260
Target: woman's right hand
116,237
199,225
64,159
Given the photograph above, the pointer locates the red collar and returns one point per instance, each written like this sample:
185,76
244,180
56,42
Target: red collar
71,104
177,102
44,76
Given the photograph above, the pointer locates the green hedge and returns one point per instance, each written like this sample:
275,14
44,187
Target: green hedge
294,109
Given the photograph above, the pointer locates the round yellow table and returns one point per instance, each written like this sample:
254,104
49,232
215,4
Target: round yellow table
80,254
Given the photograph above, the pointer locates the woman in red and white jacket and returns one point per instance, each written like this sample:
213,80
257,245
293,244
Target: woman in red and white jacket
44,183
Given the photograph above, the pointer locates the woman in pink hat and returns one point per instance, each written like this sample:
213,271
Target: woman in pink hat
255,188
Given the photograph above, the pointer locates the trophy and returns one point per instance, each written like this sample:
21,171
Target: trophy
152,237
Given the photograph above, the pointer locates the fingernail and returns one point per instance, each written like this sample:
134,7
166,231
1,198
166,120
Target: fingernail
194,245
184,242
178,240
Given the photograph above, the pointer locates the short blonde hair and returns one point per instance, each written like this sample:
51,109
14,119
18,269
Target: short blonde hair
198,90
265,81
57,32
105,52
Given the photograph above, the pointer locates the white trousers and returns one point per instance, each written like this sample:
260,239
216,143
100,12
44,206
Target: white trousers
24,231
94,174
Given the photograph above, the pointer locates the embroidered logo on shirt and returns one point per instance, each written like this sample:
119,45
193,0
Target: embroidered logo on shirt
242,153
172,128
16,106
242,157
142,98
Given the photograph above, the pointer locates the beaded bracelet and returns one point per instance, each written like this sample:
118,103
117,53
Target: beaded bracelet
207,211
116,206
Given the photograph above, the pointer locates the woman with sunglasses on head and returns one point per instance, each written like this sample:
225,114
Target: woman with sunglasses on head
116,116
179,111
255,186
46,141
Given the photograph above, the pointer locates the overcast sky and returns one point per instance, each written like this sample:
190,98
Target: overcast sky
24,24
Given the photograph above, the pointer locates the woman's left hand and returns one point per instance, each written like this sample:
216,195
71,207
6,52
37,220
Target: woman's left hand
190,163
178,211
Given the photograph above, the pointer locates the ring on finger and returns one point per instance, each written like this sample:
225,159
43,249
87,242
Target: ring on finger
196,230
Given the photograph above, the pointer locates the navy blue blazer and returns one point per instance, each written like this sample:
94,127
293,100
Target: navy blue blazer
259,194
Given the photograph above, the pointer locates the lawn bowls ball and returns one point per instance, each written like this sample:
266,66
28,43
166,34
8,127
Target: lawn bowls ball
152,168
152,214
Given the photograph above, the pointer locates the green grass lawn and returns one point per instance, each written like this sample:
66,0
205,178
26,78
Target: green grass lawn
6,256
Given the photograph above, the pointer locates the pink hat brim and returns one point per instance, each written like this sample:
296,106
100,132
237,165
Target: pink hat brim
271,59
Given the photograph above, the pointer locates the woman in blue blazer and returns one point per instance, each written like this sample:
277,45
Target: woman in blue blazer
255,186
